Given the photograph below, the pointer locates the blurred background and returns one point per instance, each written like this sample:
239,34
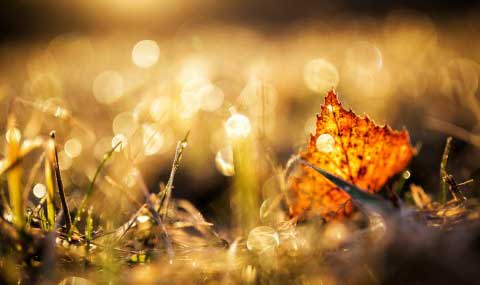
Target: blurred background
145,72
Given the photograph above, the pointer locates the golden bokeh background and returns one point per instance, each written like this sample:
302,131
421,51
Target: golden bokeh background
145,72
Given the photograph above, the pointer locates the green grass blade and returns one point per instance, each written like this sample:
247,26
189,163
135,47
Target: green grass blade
81,209
360,197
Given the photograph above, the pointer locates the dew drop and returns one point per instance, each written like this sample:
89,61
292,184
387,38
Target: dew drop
325,143
39,190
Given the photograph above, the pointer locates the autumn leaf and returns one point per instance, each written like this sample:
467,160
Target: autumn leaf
351,147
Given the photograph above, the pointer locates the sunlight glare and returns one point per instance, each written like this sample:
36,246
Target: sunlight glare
224,161
238,126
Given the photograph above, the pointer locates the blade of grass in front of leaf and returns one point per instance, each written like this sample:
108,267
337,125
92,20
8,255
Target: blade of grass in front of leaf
81,208
443,171
361,198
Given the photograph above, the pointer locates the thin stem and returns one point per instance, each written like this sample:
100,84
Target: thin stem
61,190
165,195
443,171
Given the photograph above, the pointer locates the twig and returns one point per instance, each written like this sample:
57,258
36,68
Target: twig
443,171
454,189
465,182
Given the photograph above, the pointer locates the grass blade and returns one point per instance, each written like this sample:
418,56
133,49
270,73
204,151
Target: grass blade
61,191
81,208
165,195
49,182
14,174
361,198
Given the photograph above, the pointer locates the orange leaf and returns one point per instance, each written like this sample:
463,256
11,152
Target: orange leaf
351,147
